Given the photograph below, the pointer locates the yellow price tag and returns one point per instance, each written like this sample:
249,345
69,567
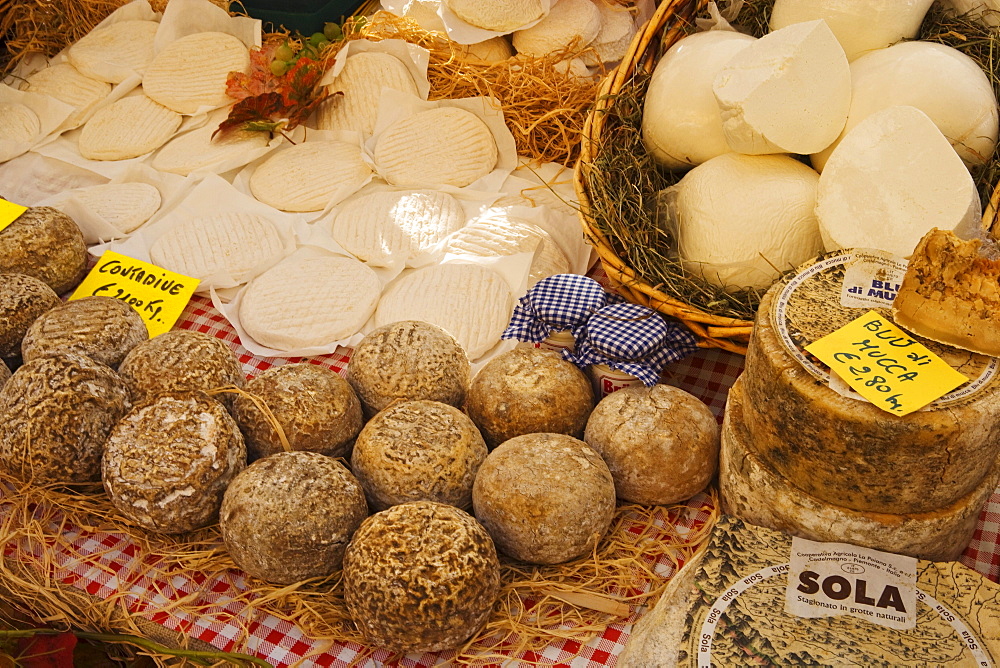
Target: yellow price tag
886,365
158,295
9,212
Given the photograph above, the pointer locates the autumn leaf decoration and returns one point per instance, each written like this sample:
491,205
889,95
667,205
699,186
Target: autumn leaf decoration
270,103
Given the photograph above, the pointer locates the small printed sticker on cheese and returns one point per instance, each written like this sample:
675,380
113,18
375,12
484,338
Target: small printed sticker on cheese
361,82
191,72
310,175
114,52
128,128
125,205
67,84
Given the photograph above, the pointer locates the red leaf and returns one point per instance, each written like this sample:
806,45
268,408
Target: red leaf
259,80
264,108
46,651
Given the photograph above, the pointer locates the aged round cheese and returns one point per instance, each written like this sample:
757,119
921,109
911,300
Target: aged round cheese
418,451
290,516
168,462
420,577
569,23
361,81
309,175
313,301
67,84
18,122
544,498
528,390
496,15
181,360
470,302
101,328
127,128
316,409
441,146
850,452
57,412
125,206
190,73
660,443
4,373
756,493
115,51
46,244
408,360
22,300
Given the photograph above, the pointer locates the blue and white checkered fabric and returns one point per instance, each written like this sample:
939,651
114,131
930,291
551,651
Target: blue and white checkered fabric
633,339
555,303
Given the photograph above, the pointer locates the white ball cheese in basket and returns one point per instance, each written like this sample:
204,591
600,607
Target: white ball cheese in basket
612,41
310,175
891,179
940,81
361,81
788,92
743,219
681,120
568,23
861,26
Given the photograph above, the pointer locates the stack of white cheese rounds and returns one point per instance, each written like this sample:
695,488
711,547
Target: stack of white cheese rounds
889,127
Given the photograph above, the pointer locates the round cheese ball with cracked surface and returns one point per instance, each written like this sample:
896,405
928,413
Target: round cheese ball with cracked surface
102,328
4,373
57,413
317,410
544,498
290,516
23,298
45,243
168,462
181,360
420,577
405,360
418,451
529,390
660,443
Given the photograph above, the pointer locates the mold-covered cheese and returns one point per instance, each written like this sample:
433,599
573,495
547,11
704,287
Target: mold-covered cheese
101,328
46,244
22,299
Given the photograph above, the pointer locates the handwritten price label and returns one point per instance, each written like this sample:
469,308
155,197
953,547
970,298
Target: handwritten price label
158,295
885,365
9,212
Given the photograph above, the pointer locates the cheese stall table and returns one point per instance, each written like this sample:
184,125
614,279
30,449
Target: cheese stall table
115,576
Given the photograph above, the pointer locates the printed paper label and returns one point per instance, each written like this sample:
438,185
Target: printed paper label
872,280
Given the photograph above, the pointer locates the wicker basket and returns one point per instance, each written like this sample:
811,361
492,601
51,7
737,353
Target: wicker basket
672,21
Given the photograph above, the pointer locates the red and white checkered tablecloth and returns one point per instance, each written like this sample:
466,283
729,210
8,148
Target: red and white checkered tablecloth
116,571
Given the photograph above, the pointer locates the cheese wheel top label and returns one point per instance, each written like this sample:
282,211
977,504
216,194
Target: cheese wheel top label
811,306
158,295
9,212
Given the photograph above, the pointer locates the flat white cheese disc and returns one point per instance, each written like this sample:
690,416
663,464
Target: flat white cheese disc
18,122
681,122
114,52
127,128
308,176
470,302
568,23
497,233
496,15
67,84
788,92
198,150
441,146
300,303
891,179
614,38
240,245
125,205
384,227
191,72
493,50
361,81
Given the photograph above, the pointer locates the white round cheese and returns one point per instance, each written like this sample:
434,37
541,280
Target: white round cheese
360,83
496,15
125,205
440,146
788,92
237,245
470,302
568,23
615,36
891,179
681,120
940,81
304,302
191,72
861,26
128,128
18,122
114,52
384,227
494,50
198,150
310,175
65,83
743,219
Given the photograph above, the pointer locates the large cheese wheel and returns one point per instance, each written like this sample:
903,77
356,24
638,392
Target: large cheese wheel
850,452
756,493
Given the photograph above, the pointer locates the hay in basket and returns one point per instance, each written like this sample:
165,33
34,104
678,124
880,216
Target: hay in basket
617,180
